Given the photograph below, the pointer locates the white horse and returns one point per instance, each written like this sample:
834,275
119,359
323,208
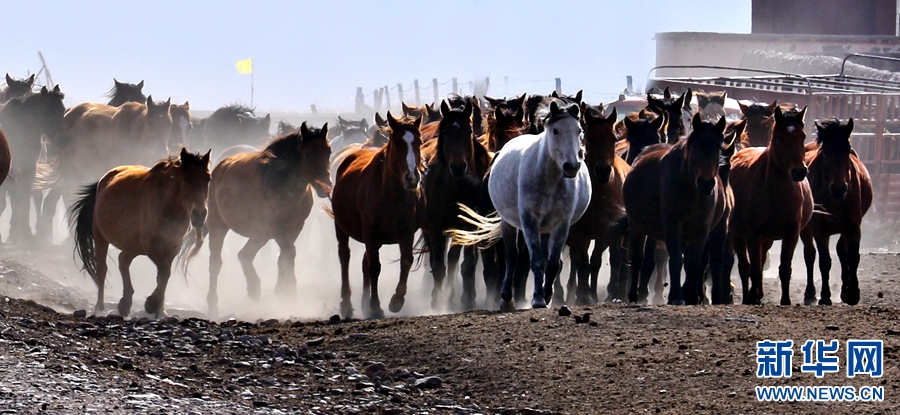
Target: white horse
540,186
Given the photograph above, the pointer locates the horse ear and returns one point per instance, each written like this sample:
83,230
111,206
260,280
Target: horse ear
8,79
445,108
44,90
392,122
186,105
819,128
554,94
30,80
169,102
779,116
56,88
467,110
686,99
744,108
149,100
588,115
721,125
848,128
140,85
629,124
702,100
379,121
667,95
613,116
205,157
728,145
325,129
772,106
116,82
304,130
802,114
696,121
418,122
661,122
573,110
578,96
405,108
554,107
184,154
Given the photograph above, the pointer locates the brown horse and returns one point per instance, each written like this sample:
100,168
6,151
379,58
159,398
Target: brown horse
180,134
454,176
16,88
772,200
123,92
674,194
711,105
234,125
142,212
674,107
25,120
377,200
606,208
267,195
758,119
840,185
5,161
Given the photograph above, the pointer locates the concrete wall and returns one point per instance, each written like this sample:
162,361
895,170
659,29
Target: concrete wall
825,17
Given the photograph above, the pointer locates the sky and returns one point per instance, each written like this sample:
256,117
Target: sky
319,52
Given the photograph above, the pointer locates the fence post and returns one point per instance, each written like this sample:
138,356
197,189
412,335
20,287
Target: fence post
416,88
312,107
400,92
434,84
387,98
559,86
360,103
487,86
376,96
455,90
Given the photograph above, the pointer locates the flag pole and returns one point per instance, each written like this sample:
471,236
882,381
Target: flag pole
251,89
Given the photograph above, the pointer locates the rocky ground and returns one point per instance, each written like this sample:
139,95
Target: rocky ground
610,358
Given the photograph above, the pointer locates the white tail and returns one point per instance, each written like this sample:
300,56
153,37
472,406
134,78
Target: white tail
486,233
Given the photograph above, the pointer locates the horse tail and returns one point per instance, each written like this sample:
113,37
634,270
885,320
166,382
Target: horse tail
47,167
190,247
81,220
420,248
486,233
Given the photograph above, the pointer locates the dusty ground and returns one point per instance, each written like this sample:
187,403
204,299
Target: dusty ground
628,359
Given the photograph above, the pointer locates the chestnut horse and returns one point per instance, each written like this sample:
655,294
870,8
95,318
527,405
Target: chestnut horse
674,107
454,176
840,185
182,128
5,162
377,200
758,119
264,195
674,194
772,200
16,88
142,212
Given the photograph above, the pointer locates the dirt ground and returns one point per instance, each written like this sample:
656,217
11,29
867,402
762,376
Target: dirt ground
626,359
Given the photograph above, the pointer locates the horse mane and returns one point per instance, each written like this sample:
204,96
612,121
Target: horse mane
234,110
164,165
543,115
281,154
831,138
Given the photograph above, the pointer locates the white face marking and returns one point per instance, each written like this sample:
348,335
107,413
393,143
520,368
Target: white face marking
183,123
410,154
791,128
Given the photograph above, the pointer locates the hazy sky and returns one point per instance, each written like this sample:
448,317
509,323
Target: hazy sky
307,52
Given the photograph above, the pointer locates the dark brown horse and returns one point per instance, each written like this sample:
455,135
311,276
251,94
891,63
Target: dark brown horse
5,162
759,120
674,107
182,127
641,130
16,88
453,176
674,194
235,124
123,92
772,200
25,120
377,200
265,195
841,186
142,211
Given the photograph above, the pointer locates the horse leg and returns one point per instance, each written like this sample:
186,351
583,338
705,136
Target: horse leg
595,262
510,239
125,259
822,245
554,244
637,261
694,267
156,301
567,295
101,248
538,255
676,263
470,260
452,264
344,255
217,232
580,263
715,253
372,269
438,250
848,253
660,257
493,266
523,263
406,260
20,202
728,259
788,244
649,265
48,212
286,285
809,257
245,256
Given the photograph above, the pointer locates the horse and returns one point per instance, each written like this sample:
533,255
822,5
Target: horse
142,211
377,200
842,187
772,200
540,186
607,173
235,124
453,176
264,195
759,121
352,132
5,160
675,108
711,105
25,120
674,194
123,92
535,102
641,130
181,124
16,88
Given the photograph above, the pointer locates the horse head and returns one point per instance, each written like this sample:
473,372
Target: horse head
181,122
353,132
674,108
123,92
17,87
431,114
315,153
455,147
711,105
834,152
562,132
787,140
193,170
404,159
51,110
759,122
702,151
643,130
599,142
411,111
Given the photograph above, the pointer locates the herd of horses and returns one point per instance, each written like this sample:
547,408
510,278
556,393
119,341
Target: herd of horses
509,181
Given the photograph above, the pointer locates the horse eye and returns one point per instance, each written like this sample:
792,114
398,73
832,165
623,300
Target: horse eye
555,131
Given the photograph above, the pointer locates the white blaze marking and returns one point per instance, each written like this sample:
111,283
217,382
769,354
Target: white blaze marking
791,128
410,154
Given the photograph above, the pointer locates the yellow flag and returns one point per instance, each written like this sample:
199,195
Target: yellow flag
245,66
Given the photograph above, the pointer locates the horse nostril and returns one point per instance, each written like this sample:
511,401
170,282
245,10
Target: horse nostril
705,186
570,169
603,173
839,190
799,173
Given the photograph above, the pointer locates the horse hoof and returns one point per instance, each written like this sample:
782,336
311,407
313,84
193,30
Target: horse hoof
786,301
376,314
850,296
508,305
677,301
396,303
825,301
812,301
124,307
153,306
468,304
538,302
346,309
583,300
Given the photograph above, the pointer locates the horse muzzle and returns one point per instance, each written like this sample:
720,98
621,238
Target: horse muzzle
798,174
706,186
603,173
838,191
411,181
570,170
198,217
458,170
